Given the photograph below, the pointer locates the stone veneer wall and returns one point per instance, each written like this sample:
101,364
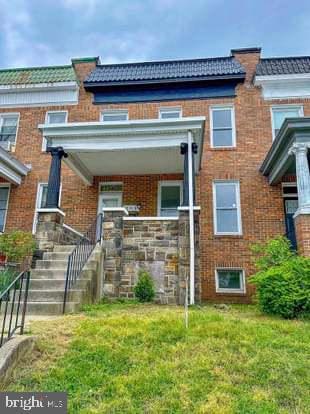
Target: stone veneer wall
151,245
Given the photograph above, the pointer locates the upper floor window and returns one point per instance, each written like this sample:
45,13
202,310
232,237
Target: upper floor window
8,129
114,115
56,117
170,112
281,112
227,211
222,120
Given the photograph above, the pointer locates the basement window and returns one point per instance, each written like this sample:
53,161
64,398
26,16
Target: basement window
230,281
116,115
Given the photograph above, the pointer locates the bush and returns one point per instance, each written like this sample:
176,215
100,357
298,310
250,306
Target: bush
283,279
17,245
6,277
144,288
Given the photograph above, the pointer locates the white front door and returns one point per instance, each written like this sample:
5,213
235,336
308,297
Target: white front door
109,200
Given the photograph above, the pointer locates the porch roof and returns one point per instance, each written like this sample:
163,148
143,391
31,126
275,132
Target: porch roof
279,159
11,169
133,147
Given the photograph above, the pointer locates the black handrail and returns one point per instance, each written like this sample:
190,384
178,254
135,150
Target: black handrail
79,256
14,298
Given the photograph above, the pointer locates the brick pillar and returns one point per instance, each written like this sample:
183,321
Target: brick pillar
302,228
49,230
112,244
184,256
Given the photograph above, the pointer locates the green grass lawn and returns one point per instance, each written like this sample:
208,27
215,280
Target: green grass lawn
127,358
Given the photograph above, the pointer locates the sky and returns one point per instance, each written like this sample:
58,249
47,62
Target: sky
51,32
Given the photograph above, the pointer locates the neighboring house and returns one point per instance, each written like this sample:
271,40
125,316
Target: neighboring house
121,128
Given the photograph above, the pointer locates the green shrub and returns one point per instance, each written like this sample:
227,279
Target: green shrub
144,288
17,245
283,279
6,277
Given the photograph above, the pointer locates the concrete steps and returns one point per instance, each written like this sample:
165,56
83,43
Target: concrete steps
47,283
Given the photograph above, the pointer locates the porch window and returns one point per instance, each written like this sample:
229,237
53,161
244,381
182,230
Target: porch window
114,115
170,198
230,281
170,112
227,214
222,119
41,202
8,129
280,113
4,199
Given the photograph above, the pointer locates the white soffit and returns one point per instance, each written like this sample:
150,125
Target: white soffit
284,86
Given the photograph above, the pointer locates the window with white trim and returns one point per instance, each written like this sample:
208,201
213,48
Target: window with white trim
4,201
115,115
170,112
222,126
227,211
8,129
230,280
280,112
54,117
169,198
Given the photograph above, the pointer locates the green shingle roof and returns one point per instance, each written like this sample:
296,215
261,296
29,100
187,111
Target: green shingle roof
37,75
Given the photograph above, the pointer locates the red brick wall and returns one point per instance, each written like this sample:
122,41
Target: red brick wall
302,226
261,205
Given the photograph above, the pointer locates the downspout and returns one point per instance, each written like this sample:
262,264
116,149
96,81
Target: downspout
191,220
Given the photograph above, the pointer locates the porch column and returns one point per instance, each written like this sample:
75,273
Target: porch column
53,188
184,150
303,177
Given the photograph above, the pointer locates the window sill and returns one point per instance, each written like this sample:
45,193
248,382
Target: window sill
241,293
236,236
223,148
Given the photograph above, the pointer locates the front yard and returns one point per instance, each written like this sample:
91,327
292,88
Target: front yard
127,358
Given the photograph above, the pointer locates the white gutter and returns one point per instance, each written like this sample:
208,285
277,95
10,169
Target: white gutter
191,221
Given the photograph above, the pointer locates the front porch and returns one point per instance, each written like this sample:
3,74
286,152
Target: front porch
289,155
157,228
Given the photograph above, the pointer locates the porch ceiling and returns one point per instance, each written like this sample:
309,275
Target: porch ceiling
280,160
125,148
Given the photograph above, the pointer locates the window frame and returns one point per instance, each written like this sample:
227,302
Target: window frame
121,193
239,218
8,185
283,107
168,183
44,142
233,125
242,290
164,109
8,114
114,111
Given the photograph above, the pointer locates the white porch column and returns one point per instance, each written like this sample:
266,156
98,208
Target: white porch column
191,221
303,177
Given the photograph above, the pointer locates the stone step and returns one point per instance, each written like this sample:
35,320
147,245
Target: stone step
61,264
53,295
64,248
56,256
50,308
43,274
55,284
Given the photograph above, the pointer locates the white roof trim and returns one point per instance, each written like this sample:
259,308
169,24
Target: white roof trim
287,77
39,86
11,169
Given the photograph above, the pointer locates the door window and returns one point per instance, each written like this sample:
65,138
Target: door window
170,198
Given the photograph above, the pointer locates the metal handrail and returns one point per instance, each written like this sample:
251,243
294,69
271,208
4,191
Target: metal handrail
79,256
17,303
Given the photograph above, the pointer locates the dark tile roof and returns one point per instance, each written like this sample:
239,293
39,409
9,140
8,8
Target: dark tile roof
165,70
283,66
